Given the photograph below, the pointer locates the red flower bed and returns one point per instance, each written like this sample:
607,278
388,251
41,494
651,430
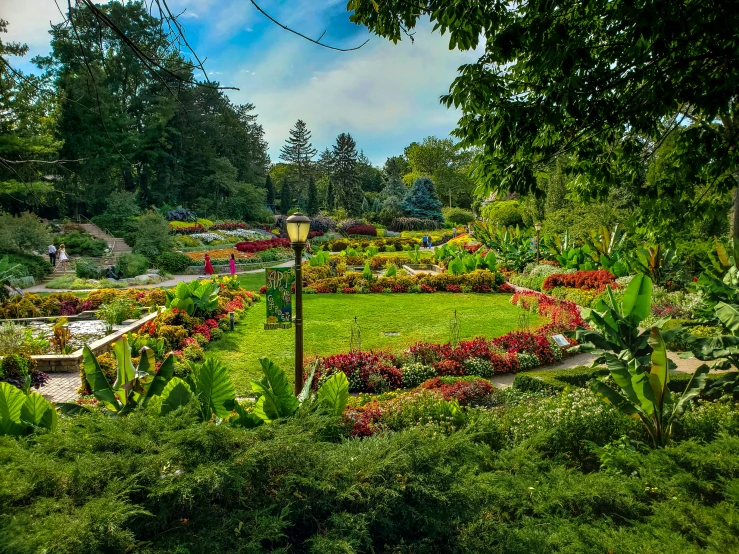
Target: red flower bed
505,287
449,368
464,392
559,311
518,341
362,229
364,370
189,230
585,280
228,226
262,245
314,234
453,288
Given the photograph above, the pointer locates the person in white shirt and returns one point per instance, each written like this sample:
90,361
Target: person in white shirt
52,255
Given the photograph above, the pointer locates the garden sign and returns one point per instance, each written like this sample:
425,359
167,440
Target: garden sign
279,296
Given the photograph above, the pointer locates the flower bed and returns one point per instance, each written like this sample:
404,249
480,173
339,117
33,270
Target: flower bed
585,280
379,371
262,245
66,303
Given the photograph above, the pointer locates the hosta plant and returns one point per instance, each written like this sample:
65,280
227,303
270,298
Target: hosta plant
195,298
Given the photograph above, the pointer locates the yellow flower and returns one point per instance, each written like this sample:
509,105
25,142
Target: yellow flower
272,319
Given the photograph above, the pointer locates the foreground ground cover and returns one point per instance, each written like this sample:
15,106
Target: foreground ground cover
328,320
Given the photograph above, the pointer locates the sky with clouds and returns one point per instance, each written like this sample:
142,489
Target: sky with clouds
385,95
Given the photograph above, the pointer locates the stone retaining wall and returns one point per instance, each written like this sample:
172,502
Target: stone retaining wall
57,363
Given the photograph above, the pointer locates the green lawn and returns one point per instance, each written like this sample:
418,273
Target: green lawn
328,319
252,281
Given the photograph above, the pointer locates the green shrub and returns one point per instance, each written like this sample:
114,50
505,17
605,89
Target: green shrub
132,265
16,366
503,213
479,367
35,266
81,243
23,234
152,235
88,269
458,216
173,262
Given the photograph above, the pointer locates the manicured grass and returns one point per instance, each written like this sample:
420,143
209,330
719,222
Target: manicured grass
252,281
328,319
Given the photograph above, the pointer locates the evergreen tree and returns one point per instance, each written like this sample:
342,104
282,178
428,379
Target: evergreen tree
298,151
270,197
422,201
393,194
285,199
347,190
312,207
330,196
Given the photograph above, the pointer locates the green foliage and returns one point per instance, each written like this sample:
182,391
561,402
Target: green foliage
647,395
20,413
173,262
274,397
416,373
85,268
81,243
458,216
312,206
334,394
152,235
422,202
196,297
23,234
504,213
35,266
133,386
511,244
658,263
616,331
132,265
116,312
12,274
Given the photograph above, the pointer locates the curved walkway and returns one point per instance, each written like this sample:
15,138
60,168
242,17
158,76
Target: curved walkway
164,284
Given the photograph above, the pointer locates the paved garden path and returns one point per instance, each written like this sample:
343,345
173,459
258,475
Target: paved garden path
164,284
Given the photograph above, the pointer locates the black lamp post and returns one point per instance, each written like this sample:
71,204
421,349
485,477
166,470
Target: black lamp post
537,226
298,227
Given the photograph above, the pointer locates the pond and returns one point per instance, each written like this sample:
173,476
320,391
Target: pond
81,332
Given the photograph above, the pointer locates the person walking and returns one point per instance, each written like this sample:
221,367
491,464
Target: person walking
429,241
63,258
423,241
208,267
232,265
52,255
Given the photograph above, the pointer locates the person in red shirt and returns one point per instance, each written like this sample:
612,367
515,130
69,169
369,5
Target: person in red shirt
208,266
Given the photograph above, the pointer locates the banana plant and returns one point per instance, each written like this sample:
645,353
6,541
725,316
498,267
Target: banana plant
20,413
616,326
134,386
195,297
723,260
318,259
606,242
656,262
577,258
557,244
645,394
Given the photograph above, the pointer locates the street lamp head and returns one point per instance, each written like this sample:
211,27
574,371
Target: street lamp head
298,227
537,225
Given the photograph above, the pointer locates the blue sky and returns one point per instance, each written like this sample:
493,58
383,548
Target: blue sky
385,95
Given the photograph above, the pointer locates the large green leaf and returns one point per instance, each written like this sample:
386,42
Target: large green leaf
98,383
275,380
334,394
267,406
245,419
176,394
307,385
619,401
72,409
659,374
637,301
728,315
215,389
622,376
39,412
161,378
11,404
126,372
695,386
643,389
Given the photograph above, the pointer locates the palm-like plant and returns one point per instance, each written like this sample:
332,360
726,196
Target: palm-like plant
645,394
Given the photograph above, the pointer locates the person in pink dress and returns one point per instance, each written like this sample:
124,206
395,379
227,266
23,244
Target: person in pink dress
232,264
208,266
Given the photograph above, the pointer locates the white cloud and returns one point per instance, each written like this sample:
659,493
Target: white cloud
379,92
29,21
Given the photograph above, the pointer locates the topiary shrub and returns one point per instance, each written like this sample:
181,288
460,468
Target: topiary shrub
400,224
458,216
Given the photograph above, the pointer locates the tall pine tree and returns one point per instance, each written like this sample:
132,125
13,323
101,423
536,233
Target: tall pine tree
285,198
344,175
298,152
422,201
312,206
270,197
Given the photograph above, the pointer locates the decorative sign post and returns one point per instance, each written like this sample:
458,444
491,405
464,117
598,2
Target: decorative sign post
279,298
